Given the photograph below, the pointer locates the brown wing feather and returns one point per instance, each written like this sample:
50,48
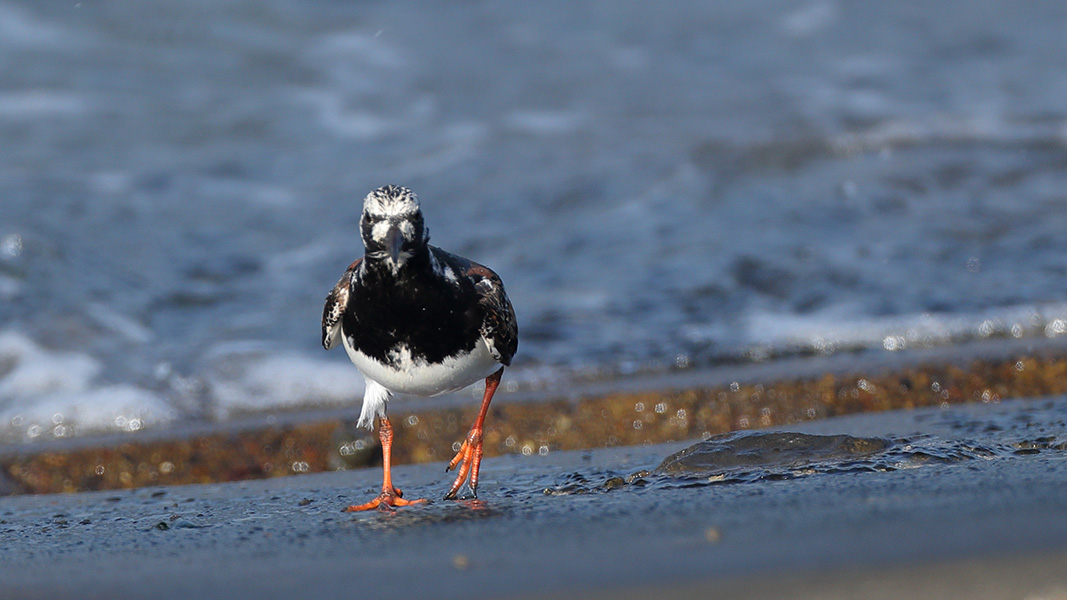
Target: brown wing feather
336,303
500,328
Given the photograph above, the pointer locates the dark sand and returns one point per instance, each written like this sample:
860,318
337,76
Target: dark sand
633,411
976,508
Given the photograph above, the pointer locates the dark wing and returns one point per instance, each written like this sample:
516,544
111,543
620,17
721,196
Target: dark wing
336,303
499,328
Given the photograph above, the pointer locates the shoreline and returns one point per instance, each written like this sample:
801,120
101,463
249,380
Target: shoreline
639,411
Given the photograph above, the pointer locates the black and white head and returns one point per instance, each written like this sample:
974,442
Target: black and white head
392,227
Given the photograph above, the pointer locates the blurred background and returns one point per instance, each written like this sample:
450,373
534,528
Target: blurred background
661,188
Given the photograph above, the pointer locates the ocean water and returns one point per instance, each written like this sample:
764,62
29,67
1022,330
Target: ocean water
659,187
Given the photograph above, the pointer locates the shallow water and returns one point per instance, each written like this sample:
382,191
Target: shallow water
659,188
944,437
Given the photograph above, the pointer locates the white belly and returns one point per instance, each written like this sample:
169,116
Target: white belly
421,378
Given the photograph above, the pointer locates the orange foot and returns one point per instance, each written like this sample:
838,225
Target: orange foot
469,459
389,499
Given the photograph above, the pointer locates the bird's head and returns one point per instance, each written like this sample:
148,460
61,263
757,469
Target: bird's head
391,226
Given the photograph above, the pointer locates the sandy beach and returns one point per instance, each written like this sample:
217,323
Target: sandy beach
936,522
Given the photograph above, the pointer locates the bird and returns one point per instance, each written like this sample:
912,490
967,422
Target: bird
415,319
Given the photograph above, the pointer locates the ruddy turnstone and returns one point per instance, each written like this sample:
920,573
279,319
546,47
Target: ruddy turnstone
415,319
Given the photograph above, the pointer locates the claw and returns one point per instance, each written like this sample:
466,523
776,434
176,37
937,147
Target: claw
469,457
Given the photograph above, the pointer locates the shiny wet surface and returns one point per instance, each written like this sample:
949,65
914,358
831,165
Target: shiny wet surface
984,480
634,412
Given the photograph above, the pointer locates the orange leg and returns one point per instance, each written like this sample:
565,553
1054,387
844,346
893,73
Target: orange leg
390,497
469,457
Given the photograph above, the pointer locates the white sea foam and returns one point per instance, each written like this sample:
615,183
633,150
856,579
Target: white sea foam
336,116
259,383
107,408
27,370
832,330
55,394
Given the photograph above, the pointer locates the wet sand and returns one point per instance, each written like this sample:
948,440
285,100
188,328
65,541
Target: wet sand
638,411
949,526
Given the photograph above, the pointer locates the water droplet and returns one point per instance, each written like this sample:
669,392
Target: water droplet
527,450
893,343
11,246
638,424
988,327
735,386
99,469
413,420
166,467
661,408
639,407
543,450
1056,327
510,442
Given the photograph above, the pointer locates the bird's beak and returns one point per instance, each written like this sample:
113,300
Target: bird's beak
393,240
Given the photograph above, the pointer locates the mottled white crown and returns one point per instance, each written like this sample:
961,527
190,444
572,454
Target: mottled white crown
391,201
